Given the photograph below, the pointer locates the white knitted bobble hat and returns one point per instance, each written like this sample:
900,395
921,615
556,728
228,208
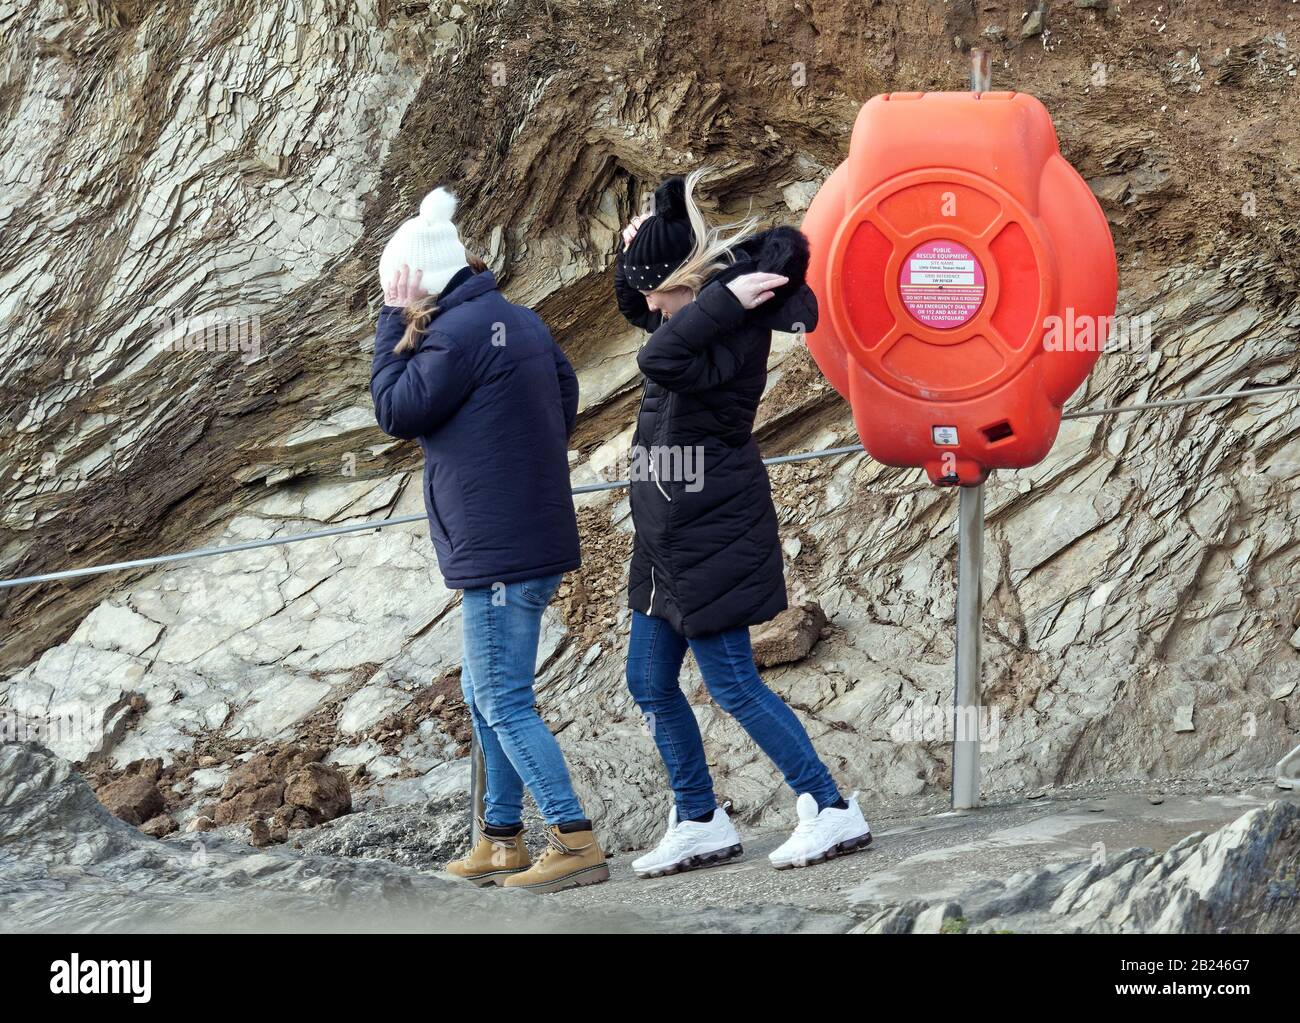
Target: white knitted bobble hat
428,242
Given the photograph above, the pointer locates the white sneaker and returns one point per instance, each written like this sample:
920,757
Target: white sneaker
822,836
691,845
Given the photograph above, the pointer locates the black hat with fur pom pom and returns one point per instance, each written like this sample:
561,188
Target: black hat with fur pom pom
662,242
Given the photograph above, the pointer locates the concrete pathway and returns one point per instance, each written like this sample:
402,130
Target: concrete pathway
935,856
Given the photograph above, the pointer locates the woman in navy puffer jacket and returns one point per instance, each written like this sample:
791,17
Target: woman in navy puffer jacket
481,385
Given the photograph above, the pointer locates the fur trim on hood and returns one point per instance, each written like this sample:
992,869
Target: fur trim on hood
779,250
785,251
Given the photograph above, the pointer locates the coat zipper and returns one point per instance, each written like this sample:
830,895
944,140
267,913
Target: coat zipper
645,386
649,454
656,479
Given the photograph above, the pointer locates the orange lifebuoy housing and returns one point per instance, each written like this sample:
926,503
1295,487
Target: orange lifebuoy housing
942,249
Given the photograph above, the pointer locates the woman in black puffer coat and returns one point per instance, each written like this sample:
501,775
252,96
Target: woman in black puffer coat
707,562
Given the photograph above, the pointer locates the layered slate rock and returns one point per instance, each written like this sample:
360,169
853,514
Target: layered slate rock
1140,612
1240,879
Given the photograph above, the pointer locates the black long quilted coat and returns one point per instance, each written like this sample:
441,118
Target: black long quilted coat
707,556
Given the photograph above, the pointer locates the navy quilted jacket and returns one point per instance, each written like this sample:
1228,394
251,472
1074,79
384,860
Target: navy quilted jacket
492,401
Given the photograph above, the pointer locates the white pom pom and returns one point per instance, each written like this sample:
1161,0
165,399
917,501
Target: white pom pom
438,206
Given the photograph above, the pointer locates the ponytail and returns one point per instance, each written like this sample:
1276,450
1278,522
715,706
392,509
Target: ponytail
714,243
420,313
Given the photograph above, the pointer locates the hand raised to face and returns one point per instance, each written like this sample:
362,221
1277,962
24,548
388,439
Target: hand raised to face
629,232
402,290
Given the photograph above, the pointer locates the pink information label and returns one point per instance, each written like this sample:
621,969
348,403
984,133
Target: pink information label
942,283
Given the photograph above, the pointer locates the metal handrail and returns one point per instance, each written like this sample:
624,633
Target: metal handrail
586,488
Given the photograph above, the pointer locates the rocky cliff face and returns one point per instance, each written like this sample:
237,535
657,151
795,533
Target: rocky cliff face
230,172
1238,880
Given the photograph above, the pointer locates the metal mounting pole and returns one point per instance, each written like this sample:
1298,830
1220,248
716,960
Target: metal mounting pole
477,787
970,572
981,71
966,699
1288,770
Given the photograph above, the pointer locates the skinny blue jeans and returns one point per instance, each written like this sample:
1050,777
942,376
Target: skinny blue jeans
501,625
726,660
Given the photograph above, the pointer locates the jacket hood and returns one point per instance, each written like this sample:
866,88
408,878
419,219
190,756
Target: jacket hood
785,251
782,250
479,284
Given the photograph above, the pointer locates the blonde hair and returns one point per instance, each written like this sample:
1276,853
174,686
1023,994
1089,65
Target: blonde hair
421,312
712,250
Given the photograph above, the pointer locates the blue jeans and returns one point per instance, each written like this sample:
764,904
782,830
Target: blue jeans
654,661
501,625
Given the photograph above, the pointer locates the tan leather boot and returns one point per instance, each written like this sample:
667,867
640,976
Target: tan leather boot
569,860
492,860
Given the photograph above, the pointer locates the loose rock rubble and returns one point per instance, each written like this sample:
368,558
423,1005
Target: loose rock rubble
790,636
271,792
286,790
